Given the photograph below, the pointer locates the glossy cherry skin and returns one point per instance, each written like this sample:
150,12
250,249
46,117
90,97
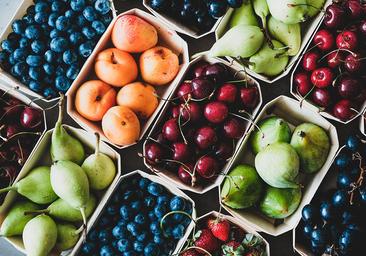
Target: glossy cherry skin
181,152
11,130
362,28
348,87
310,61
200,68
227,93
183,174
249,97
353,63
154,153
233,128
335,16
322,77
31,118
205,137
171,130
207,167
343,110
216,112
202,88
321,97
224,149
191,112
174,111
354,8
335,59
324,40
184,91
216,71
302,83
347,40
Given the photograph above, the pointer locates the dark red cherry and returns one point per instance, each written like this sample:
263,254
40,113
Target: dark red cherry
31,118
335,59
324,40
174,111
227,93
181,152
160,138
224,149
200,68
349,87
216,112
234,128
202,88
354,8
353,63
171,130
335,16
205,137
154,153
184,91
302,83
13,108
321,97
184,173
249,97
191,111
216,71
207,167
310,61
347,40
11,130
343,110
362,28
322,77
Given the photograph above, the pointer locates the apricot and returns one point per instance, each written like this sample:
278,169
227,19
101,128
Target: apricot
121,125
133,34
94,98
139,97
159,65
116,67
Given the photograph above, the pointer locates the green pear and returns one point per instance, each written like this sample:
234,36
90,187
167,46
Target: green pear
272,129
70,183
312,145
288,11
39,236
288,34
243,15
15,219
279,203
239,41
261,9
278,165
314,7
67,236
99,168
242,187
36,186
268,61
61,210
63,145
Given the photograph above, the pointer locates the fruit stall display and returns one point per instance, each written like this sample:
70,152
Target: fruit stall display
266,37
333,223
23,123
330,76
201,126
279,166
46,43
220,234
118,93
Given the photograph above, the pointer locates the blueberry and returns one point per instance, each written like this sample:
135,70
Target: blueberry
32,32
35,73
76,38
20,68
136,206
128,195
20,54
58,6
112,210
62,83
119,232
125,212
35,86
350,242
49,80
54,33
31,10
160,211
340,198
235,3
307,229
50,56
11,59
319,236
26,80
130,253
102,6
34,60
41,17
159,5
155,189
327,211
343,160
3,57
18,26
81,21
177,203
353,143
59,44
158,239
152,216
178,231
140,219
48,68
38,47
24,42
13,36
106,250
98,26
149,202
93,235
142,237
86,48
88,248
72,72
62,23
122,222
28,19
88,32
123,245
77,5
163,200
106,19
217,8
41,7
70,14
104,236
49,93
169,247
69,57
177,218
310,214
89,13
46,32
133,228
151,249
52,19
138,246
155,228
8,45
344,180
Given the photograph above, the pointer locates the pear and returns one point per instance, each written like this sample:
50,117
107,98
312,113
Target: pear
63,145
39,236
244,15
99,168
239,41
278,165
288,34
272,129
314,7
67,236
312,145
15,219
279,203
288,11
61,210
268,61
36,186
242,187
261,9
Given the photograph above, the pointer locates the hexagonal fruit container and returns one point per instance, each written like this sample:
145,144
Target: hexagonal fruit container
288,110
118,195
236,111
307,30
17,141
22,12
167,38
362,122
41,157
239,232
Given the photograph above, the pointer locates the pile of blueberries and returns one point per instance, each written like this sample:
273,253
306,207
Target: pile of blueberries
131,223
200,15
51,42
336,224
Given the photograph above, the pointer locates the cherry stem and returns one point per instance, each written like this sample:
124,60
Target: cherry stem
359,182
306,95
171,213
250,121
21,160
196,248
337,50
18,134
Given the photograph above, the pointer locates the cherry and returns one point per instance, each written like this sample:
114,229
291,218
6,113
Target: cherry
321,97
224,149
362,28
348,87
13,108
11,130
160,139
343,110
184,174
322,77
21,154
353,63
205,137
181,151
347,40
31,118
324,40
200,68
249,97
302,83
216,71
202,88
184,91
355,9
174,111
233,128
171,130
216,112
191,111
310,61
334,16
154,153
190,133
335,59
227,93
207,167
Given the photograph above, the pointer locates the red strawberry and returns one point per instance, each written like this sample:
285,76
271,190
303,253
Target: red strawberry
233,248
219,228
190,252
206,240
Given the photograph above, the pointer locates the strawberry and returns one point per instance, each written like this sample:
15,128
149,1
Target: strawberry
190,252
219,228
232,248
206,240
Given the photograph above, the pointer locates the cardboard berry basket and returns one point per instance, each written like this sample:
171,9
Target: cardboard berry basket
41,156
172,177
234,221
20,12
167,38
14,92
178,26
307,30
172,189
289,110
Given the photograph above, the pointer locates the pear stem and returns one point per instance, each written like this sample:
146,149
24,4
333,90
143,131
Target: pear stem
46,211
97,137
3,190
60,108
79,230
82,211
